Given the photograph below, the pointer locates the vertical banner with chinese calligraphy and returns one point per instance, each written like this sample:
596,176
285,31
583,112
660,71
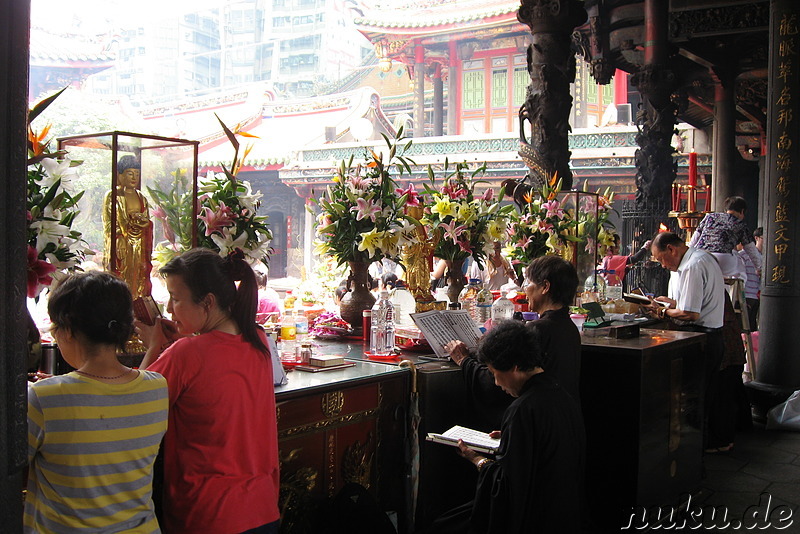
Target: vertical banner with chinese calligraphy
780,297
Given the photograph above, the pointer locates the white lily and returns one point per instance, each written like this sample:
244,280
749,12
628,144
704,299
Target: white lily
248,199
227,243
55,170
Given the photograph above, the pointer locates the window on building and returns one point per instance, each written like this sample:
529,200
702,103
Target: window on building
521,81
608,94
474,93
499,89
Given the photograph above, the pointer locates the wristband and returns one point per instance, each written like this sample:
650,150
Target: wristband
483,462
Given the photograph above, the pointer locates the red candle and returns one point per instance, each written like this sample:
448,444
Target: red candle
693,169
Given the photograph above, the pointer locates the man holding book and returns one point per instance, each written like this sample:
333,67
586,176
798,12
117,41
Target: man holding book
535,481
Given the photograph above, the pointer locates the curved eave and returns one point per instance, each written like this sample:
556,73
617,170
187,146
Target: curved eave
425,27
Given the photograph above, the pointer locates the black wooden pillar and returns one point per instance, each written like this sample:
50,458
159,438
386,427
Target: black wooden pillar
725,152
779,363
551,65
655,165
14,39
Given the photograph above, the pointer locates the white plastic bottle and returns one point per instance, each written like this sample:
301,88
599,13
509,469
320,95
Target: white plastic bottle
381,342
404,304
483,305
613,287
468,297
502,309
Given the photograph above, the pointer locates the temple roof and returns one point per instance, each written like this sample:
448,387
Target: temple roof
437,16
52,50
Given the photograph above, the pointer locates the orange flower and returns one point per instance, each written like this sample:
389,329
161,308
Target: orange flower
36,143
554,179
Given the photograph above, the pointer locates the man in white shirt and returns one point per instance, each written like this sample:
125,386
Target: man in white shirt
696,300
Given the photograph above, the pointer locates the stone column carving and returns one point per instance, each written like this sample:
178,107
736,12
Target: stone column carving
655,166
551,66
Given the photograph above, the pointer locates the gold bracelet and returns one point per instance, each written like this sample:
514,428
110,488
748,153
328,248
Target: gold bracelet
483,462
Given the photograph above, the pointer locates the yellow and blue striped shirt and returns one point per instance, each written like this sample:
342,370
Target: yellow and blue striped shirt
91,448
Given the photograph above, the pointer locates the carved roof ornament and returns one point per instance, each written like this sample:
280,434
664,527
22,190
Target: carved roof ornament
693,23
551,15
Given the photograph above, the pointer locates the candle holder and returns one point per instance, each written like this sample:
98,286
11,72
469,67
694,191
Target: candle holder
687,214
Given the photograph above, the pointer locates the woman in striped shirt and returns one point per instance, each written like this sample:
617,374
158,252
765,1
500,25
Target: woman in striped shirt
93,434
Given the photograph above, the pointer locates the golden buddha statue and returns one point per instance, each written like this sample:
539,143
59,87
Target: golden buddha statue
417,261
134,232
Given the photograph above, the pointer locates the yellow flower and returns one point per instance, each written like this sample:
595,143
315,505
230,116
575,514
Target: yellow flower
370,241
443,207
321,248
497,229
465,213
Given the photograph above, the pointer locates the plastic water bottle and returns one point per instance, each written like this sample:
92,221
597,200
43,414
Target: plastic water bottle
301,324
404,304
595,283
483,305
614,286
381,342
502,309
469,296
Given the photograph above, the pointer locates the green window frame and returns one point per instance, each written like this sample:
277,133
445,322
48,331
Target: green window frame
474,90
499,88
521,82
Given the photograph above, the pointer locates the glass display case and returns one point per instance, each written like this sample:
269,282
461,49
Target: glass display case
152,181
589,215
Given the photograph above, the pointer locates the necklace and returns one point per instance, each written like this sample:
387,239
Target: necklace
104,377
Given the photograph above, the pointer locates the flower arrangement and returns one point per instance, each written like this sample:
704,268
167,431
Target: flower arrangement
227,212
361,217
541,226
53,245
550,222
467,225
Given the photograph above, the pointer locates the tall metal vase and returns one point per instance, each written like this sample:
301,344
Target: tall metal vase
455,279
358,298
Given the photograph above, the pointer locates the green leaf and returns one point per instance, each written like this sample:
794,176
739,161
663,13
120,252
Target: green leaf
42,105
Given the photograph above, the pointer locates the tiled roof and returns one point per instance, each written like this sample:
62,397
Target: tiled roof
51,49
433,13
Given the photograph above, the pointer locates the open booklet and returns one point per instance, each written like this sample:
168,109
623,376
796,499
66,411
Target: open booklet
443,326
474,439
635,298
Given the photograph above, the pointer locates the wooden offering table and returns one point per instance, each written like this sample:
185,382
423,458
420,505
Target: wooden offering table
643,410
336,427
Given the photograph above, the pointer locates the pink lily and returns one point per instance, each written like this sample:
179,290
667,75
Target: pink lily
217,221
159,213
452,231
413,196
38,272
463,244
365,209
488,196
553,208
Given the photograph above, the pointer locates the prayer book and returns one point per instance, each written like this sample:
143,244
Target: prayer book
474,439
641,299
443,326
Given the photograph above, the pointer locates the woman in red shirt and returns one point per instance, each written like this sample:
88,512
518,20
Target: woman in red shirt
221,448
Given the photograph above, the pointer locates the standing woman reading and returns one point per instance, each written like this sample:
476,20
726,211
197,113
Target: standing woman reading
221,449
93,434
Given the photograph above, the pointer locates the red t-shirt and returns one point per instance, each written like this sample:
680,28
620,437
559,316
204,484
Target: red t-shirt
221,447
